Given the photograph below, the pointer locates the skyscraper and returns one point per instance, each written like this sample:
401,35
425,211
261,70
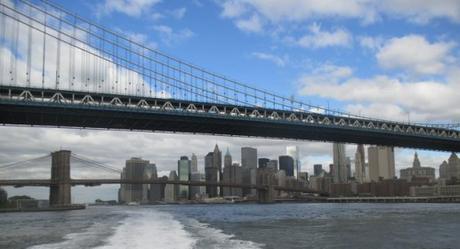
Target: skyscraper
249,167
171,189
360,161
232,174
183,167
340,163
249,158
317,169
263,162
286,163
194,165
381,163
134,170
211,174
293,151
217,162
227,159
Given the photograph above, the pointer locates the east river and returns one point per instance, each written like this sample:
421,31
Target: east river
238,226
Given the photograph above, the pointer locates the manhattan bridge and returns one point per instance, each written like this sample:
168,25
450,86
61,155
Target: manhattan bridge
58,69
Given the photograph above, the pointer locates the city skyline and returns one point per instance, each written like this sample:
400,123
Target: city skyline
163,171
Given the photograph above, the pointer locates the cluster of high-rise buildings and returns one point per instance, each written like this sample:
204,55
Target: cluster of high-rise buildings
373,174
376,176
251,170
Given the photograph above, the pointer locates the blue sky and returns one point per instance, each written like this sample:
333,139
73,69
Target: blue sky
298,47
395,59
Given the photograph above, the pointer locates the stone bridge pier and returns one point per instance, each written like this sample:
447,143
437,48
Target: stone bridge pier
60,174
266,195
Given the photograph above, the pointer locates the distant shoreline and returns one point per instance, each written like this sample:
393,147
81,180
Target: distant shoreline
48,209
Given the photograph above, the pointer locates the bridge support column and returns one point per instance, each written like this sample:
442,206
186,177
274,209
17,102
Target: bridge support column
60,174
266,195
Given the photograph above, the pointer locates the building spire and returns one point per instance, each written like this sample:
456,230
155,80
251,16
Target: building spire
228,152
416,163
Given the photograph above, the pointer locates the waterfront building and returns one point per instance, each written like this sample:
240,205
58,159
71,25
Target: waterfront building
287,164
171,189
184,167
194,163
450,169
340,163
232,174
360,164
150,172
317,169
436,190
321,183
263,163
293,151
249,167
211,174
273,165
135,169
417,171
381,163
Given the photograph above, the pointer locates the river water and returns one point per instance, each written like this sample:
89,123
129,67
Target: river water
237,226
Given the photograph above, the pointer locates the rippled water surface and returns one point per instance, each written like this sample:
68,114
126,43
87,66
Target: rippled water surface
238,226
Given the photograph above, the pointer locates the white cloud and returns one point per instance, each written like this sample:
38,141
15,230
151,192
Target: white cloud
170,37
233,8
252,24
414,54
279,61
321,39
367,11
383,96
369,42
422,11
178,13
133,8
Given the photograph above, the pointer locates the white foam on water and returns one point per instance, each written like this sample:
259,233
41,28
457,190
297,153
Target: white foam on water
213,238
149,228
86,239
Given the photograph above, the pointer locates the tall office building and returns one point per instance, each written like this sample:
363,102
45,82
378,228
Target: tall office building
134,170
417,171
171,189
360,162
451,168
286,163
381,163
150,171
249,158
184,167
249,167
197,191
293,151
194,163
227,159
263,162
217,162
317,169
157,191
232,174
212,167
340,163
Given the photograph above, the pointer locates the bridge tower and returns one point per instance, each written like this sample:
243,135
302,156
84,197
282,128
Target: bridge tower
60,174
266,195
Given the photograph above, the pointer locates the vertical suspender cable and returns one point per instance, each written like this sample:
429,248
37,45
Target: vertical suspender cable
29,49
2,48
44,48
58,56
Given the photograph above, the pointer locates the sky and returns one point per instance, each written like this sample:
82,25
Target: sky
394,59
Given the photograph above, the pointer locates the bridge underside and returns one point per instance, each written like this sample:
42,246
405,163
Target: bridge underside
91,117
